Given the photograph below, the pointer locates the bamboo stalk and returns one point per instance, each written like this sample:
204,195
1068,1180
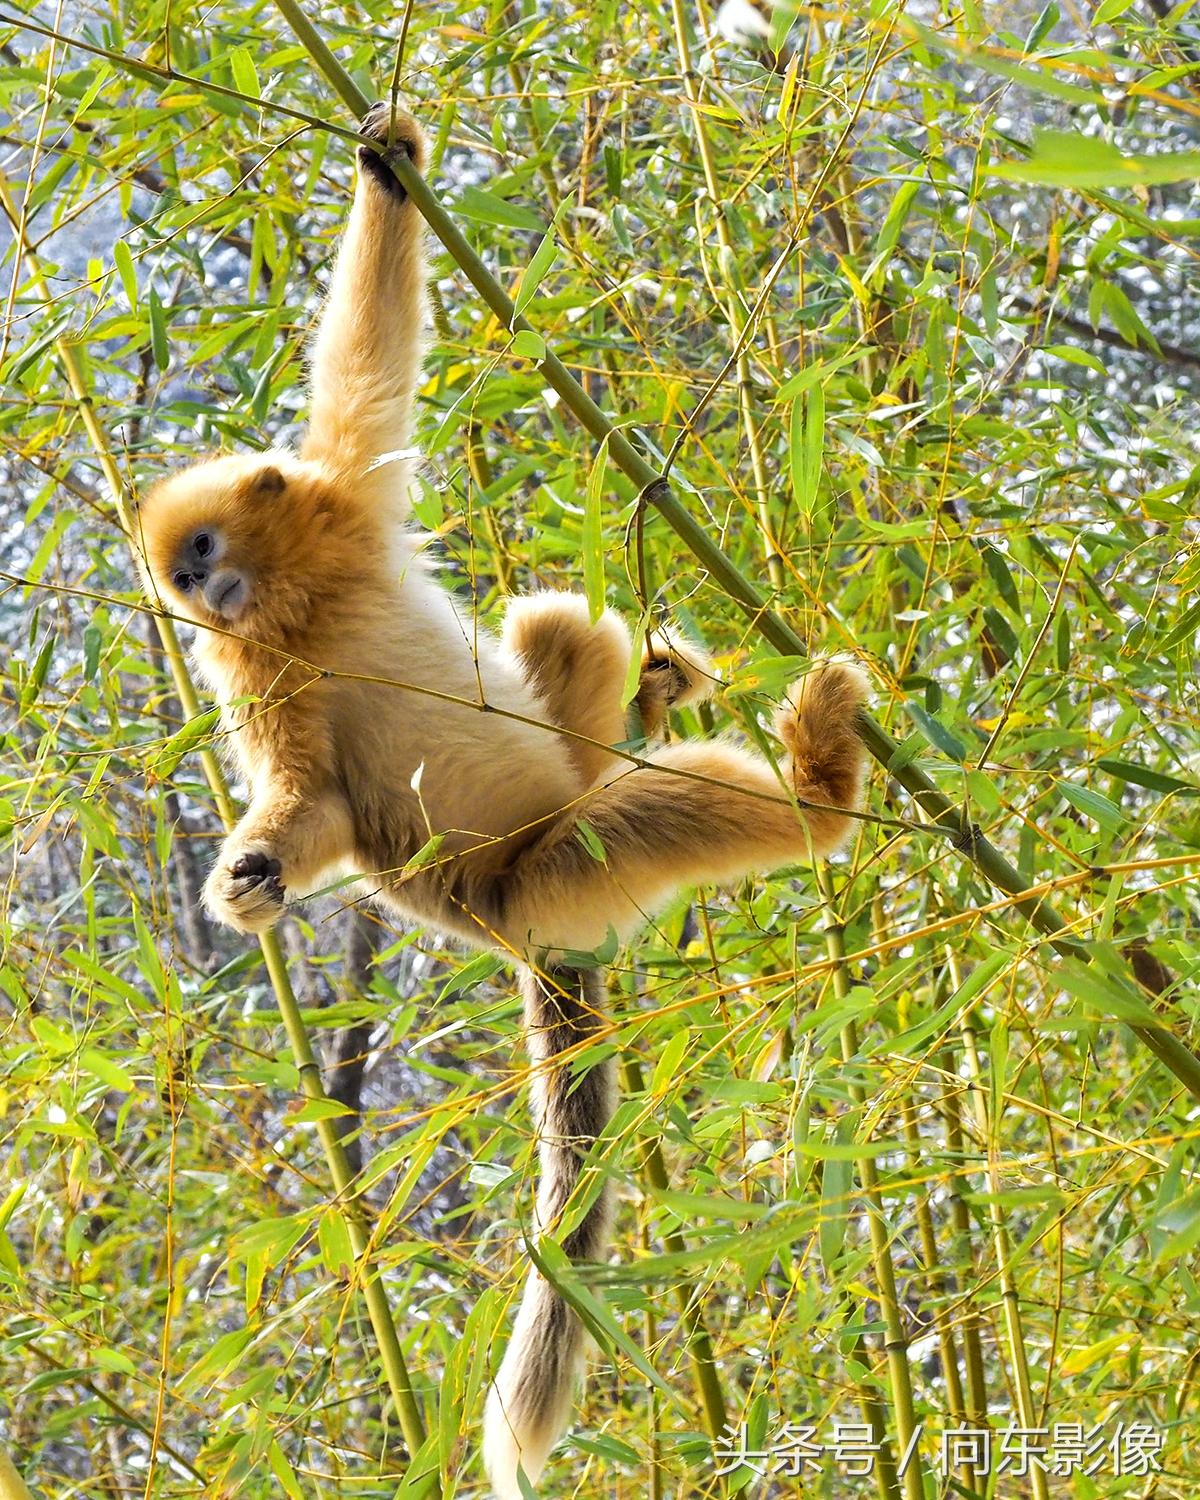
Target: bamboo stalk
654,1468
481,476
1000,1242
391,1356
937,1280
874,1414
733,310
960,1219
699,1342
896,1339
936,1275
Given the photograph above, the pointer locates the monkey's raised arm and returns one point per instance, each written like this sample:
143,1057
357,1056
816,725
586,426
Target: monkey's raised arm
366,358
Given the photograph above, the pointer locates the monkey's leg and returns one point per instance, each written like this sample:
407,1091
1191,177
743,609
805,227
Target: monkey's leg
366,360
578,669
726,816
283,843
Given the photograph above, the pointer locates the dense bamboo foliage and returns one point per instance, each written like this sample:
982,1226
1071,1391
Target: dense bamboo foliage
901,299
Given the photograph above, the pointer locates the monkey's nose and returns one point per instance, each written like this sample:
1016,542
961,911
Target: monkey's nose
200,576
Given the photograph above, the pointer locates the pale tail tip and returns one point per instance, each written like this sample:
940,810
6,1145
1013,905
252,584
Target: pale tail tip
503,1454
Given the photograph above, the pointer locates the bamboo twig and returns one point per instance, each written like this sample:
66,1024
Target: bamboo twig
896,1339
1000,1241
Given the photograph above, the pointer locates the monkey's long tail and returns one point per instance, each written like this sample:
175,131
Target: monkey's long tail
531,1399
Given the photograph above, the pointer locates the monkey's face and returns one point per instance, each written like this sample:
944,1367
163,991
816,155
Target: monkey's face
201,574
222,543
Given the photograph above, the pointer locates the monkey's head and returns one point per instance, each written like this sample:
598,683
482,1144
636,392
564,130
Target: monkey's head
231,542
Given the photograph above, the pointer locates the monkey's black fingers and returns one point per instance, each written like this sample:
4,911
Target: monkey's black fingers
373,165
255,877
247,893
674,680
381,122
256,866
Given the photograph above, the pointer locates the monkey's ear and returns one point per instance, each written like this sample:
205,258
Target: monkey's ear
268,483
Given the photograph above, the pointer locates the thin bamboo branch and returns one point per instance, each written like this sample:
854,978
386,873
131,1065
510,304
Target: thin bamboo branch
699,1342
965,836
391,1356
122,1416
735,314
896,1339
1010,1297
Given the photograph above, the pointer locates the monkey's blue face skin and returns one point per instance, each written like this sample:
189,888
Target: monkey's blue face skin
254,540
198,572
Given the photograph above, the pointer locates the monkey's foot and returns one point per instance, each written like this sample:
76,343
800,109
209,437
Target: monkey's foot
675,672
382,122
688,673
246,894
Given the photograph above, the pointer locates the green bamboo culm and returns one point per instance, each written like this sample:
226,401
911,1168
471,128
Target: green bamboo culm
895,1338
985,1129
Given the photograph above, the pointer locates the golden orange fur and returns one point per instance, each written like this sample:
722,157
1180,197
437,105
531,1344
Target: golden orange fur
353,686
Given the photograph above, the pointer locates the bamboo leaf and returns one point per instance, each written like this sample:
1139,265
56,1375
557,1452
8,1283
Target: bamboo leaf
540,262
123,261
552,1262
476,203
593,534
158,331
1097,806
245,74
1069,159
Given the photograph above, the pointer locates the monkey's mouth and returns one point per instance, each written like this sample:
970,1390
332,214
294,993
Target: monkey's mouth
227,595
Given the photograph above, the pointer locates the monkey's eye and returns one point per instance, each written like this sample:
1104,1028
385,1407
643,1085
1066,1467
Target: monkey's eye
182,581
203,544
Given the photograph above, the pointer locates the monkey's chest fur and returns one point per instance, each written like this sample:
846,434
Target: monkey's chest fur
429,730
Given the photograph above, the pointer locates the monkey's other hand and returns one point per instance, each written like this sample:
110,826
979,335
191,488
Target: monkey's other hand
245,891
682,670
406,137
